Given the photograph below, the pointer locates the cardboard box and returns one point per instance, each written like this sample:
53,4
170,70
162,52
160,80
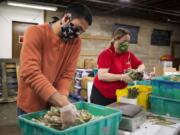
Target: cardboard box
83,94
80,63
89,63
160,70
166,63
85,80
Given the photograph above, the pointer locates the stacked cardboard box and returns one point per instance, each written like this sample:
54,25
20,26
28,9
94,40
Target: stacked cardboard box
160,70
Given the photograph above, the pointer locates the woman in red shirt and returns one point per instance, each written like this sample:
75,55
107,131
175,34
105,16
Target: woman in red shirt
112,64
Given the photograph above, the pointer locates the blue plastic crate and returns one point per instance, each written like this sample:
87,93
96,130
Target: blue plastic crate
161,86
165,106
108,125
142,82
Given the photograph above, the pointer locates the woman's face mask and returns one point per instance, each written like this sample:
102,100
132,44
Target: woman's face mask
69,31
122,47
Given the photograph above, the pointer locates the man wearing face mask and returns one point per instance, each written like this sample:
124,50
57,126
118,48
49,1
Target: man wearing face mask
47,63
113,63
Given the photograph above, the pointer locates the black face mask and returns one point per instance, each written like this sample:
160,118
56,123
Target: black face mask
69,31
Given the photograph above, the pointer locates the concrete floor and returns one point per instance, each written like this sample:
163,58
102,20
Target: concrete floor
8,119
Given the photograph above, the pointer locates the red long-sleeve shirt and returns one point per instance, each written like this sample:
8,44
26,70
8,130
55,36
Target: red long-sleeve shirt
47,65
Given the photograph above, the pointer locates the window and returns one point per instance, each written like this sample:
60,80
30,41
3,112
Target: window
161,37
134,30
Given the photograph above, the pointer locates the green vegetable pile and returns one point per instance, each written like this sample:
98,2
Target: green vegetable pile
53,119
175,78
135,75
159,120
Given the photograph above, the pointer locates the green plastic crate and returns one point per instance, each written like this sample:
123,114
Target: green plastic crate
108,125
161,86
165,106
95,70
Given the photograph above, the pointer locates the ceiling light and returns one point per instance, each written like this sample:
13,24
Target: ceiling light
27,5
125,1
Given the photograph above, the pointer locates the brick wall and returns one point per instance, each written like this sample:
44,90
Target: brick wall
97,37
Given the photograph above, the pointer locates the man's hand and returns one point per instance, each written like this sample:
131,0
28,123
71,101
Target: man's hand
68,115
68,110
59,100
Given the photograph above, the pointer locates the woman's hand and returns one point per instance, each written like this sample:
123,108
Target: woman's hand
141,68
104,75
126,78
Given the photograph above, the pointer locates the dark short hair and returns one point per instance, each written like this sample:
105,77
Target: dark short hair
78,10
120,32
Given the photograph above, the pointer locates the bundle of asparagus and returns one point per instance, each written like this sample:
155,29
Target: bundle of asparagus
133,92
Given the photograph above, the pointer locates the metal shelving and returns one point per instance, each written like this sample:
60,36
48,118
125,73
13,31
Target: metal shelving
8,80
